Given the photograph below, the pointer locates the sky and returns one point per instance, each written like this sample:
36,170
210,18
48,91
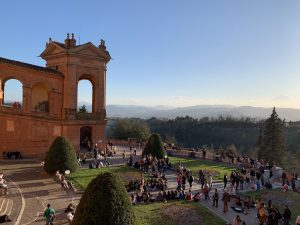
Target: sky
171,52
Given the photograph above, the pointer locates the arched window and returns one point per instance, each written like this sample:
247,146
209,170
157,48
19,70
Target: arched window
12,93
40,98
85,96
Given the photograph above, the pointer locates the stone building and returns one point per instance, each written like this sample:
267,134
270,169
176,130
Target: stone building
49,106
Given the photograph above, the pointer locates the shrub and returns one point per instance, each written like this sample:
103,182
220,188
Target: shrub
155,147
61,156
106,202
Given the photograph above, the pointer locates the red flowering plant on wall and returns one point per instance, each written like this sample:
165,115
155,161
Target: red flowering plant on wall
17,105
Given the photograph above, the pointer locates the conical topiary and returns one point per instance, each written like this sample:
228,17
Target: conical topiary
61,156
155,147
105,202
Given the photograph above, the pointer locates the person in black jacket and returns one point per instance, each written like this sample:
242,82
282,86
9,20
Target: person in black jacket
287,215
216,198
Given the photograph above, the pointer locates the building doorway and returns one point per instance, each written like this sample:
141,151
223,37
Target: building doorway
86,139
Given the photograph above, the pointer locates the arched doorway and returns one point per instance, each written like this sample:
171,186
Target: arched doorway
86,138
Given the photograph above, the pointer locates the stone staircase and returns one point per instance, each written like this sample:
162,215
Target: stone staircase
6,205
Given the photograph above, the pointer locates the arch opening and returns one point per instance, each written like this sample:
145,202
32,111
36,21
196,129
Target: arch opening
85,96
12,95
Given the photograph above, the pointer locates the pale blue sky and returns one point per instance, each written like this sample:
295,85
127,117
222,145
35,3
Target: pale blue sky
172,52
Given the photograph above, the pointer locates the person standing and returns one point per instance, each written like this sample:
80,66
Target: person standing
286,215
225,199
216,198
190,180
3,183
124,156
49,215
262,215
225,179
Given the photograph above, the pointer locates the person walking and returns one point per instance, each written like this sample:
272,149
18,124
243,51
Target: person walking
216,198
49,215
225,199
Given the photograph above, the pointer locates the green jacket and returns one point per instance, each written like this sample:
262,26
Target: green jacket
49,214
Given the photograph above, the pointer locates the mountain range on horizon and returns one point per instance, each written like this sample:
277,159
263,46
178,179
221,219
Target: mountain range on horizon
197,111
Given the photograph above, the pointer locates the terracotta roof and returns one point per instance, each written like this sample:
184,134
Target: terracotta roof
30,66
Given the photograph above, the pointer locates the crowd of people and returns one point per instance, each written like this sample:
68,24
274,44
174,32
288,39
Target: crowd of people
148,185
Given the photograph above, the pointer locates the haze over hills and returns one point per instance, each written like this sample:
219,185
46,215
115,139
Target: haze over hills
198,111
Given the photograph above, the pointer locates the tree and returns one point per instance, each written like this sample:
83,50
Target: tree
231,149
274,148
123,129
82,109
105,202
259,144
61,156
155,147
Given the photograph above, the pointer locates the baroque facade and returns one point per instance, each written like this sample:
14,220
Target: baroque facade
49,103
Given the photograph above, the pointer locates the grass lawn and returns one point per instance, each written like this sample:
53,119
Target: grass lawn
83,177
175,213
279,199
217,169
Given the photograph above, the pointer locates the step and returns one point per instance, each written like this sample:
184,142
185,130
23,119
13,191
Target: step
6,206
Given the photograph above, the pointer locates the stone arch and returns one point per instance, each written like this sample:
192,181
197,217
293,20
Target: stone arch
17,103
40,92
93,82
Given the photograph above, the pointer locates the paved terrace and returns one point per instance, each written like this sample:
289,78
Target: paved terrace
31,189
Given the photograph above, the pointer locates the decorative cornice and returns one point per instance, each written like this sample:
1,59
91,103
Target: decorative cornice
30,66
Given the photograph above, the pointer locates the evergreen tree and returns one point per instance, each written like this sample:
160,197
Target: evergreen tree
274,148
105,201
61,156
155,147
259,144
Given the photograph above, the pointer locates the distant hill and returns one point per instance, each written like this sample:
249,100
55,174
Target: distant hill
198,111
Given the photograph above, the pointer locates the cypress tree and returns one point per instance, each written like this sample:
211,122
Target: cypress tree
105,202
61,156
155,147
274,148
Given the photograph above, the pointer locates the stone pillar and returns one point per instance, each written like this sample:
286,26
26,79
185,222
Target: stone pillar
1,93
26,107
101,106
51,103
